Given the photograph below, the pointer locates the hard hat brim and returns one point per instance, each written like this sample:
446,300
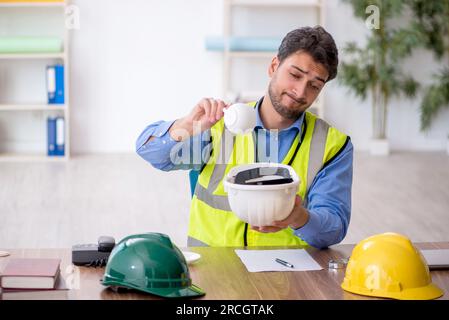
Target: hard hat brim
192,291
428,292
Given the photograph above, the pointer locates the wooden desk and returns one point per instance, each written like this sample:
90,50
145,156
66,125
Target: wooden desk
223,276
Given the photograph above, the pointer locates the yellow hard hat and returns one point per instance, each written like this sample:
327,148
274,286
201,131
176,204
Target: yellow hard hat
388,265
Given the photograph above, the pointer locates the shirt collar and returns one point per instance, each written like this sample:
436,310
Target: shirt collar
259,124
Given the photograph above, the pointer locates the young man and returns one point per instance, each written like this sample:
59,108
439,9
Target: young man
320,154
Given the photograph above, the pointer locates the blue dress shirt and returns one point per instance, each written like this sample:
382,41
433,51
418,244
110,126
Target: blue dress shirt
329,196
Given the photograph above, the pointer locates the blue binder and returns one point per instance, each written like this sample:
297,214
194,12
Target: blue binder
60,136
51,136
55,84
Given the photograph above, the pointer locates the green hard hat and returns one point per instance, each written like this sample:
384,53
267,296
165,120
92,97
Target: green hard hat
150,262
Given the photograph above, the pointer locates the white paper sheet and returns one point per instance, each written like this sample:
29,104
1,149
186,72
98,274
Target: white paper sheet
265,260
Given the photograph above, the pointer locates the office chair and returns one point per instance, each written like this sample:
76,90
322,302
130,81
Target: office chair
193,179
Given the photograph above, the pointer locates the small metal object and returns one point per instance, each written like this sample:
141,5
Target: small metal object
338,263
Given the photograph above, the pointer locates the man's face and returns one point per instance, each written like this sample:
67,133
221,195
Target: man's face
295,83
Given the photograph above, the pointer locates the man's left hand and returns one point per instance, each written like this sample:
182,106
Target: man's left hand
297,218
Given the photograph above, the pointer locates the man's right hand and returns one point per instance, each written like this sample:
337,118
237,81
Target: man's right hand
203,116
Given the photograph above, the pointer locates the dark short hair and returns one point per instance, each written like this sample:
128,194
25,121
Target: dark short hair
315,41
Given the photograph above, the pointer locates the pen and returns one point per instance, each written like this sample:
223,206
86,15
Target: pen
284,263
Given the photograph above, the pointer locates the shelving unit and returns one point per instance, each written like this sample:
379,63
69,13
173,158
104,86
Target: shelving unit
265,56
285,3
13,56
41,107
32,107
24,3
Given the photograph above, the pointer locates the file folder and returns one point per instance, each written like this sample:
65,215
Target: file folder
60,136
55,84
51,136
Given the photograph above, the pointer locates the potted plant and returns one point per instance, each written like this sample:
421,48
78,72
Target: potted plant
436,97
375,68
431,20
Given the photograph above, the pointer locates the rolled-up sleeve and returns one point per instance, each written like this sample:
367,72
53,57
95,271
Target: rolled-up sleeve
166,154
156,151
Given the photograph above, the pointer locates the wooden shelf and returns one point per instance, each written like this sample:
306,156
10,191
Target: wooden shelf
13,4
33,107
39,9
229,91
276,3
252,54
11,56
30,157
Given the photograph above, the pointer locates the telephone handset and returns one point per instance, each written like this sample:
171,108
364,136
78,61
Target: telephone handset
93,255
106,244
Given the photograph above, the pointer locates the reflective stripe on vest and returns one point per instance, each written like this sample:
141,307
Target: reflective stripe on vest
211,219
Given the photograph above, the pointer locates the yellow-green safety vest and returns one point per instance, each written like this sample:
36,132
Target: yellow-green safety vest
212,223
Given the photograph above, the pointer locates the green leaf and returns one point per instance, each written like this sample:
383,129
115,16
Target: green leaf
410,87
436,97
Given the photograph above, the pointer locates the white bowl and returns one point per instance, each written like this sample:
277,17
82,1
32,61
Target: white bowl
240,118
260,205
191,257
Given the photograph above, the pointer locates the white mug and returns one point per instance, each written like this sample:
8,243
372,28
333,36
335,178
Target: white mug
240,118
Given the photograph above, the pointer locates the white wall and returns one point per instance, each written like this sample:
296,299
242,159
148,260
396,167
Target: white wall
141,61
354,116
135,62
138,61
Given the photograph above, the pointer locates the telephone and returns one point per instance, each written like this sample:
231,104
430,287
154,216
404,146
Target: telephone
93,255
